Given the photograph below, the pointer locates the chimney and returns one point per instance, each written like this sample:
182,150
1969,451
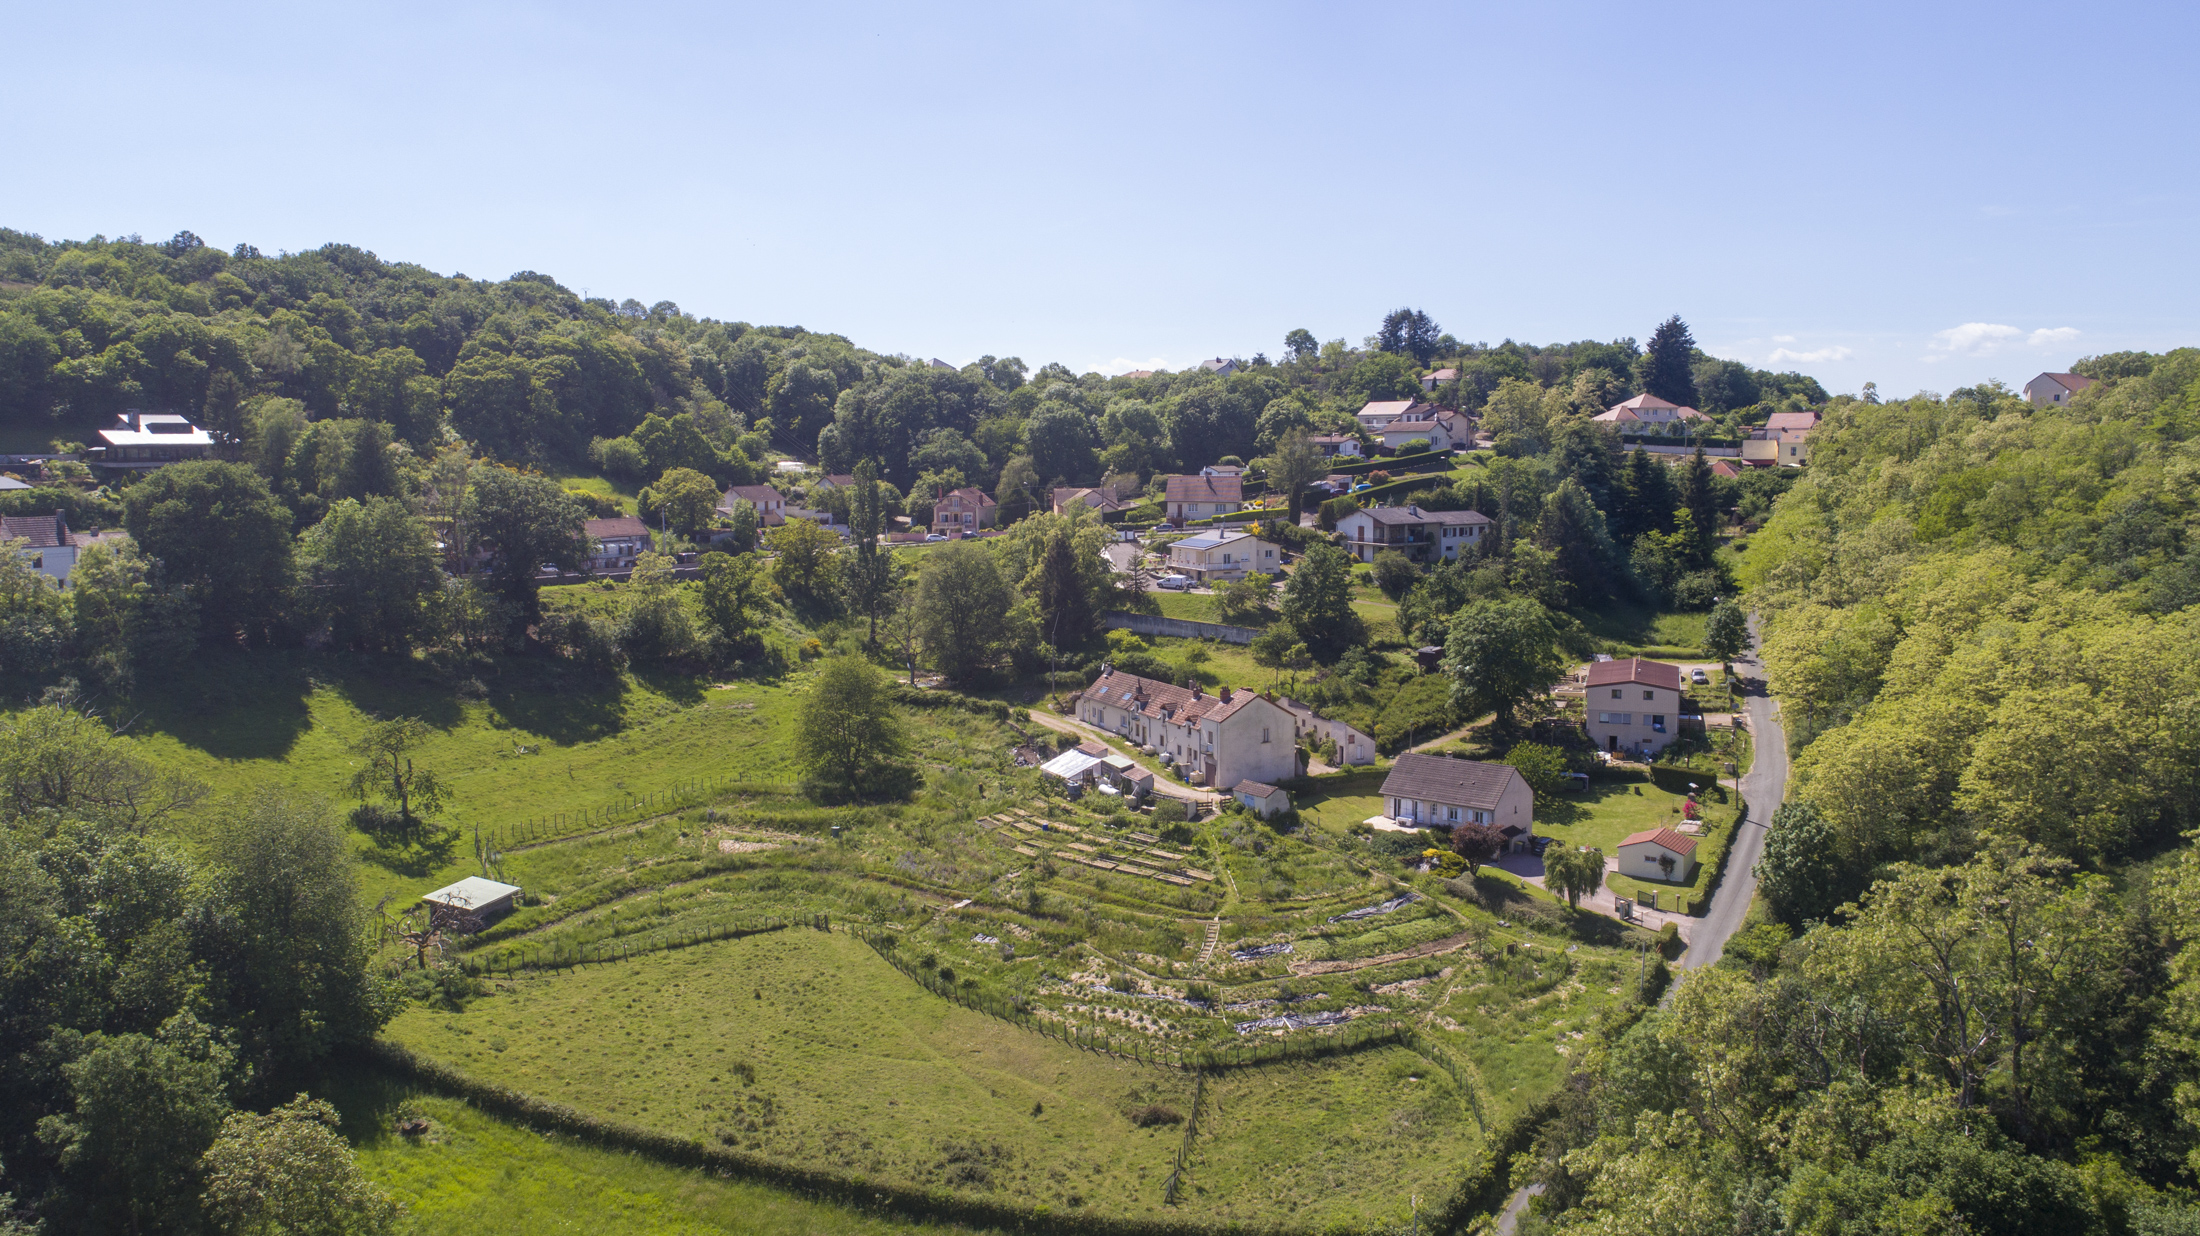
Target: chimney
1226,695
1198,692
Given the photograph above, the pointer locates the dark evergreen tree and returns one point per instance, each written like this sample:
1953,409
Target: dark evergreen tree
1409,332
1668,367
1699,494
1642,501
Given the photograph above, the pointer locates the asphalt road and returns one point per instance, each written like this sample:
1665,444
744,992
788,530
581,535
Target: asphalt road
1762,788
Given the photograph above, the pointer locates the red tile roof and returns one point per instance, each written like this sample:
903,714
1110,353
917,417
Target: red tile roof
1662,836
1635,669
622,525
1164,701
1792,420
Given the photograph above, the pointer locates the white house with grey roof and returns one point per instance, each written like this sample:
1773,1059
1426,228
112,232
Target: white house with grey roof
1219,557
1440,790
1421,535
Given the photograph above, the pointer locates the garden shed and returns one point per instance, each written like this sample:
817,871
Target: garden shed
484,899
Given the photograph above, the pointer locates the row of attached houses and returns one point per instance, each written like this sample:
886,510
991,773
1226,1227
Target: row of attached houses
1221,739
1421,535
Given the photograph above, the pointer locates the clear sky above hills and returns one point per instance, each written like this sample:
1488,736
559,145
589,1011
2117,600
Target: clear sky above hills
1919,194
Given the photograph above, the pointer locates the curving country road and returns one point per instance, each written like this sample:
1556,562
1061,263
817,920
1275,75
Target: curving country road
1762,788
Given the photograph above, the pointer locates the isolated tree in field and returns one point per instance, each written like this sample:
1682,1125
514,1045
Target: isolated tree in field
1500,655
1295,464
291,1173
1668,366
389,773
963,603
804,562
686,498
848,728
1477,844
1317,602
1394,573
1574,872
1726,633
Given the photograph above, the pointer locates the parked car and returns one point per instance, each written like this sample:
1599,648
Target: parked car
1698,677
1537,845
1177,582
936,536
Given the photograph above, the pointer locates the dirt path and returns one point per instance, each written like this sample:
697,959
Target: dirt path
1066,725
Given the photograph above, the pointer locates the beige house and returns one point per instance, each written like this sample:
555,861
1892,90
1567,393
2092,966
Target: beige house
1428,790
1784,440
1421,535
1221,739
1442,377
1442,427
1658,854
2053,390
1335,444
770,504
1265,801
1646,413
1377,413
1219,557
1203,497
1102,500
1634,706
964,510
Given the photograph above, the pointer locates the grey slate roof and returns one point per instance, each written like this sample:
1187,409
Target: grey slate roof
1442,779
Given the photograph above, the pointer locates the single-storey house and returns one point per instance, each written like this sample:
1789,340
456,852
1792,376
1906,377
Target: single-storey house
1219,557
964,510
141,440
1203,497
1633,706
2051,390
1102,500
1421,535
1658,854
484,899
1219,367
1126,776
1438,789
614,544
1334,444
770,504
1265,801
835,480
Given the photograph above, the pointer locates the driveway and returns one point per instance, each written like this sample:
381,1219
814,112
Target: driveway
1762,789
1066,725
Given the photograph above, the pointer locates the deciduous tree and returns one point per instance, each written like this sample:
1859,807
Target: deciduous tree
1501,654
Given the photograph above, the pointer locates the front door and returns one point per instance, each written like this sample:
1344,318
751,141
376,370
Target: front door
1611,743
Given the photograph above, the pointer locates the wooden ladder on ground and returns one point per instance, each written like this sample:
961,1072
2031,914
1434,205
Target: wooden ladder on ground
1214,934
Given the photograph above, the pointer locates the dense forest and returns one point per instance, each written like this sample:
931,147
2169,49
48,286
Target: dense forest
1972,1004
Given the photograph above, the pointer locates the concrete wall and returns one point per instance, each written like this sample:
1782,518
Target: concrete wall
1178,628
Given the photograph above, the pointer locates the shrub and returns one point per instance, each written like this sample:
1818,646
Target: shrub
374,819
1168,811
1464,890
1154,1114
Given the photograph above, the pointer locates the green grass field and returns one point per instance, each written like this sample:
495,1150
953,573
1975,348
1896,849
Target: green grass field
1611,809
476,1173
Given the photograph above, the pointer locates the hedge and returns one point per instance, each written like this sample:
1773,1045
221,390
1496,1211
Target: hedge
940,697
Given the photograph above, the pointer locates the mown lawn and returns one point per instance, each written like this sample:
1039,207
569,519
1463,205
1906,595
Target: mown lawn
1626,628
1611,809
474,1173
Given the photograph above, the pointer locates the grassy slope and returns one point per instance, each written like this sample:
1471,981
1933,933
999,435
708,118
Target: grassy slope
474,1173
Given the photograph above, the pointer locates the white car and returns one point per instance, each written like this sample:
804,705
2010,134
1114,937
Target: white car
1698,677
937,536
1174,582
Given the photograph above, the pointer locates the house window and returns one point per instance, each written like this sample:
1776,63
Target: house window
1652,696
1615,693
1264,733
1454,813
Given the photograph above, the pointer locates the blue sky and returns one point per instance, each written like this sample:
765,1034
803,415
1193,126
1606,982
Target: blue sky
1922,195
